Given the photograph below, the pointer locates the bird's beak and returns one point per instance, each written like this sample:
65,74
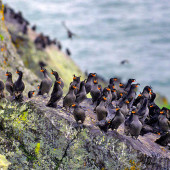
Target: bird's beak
93,75
139,95
59,82
74,87
42,70
161,112
7,74
133,112
52,72
108,89
17,72
133,80
151,105
127,101
33,93
99,88
117,109
73,105
105,98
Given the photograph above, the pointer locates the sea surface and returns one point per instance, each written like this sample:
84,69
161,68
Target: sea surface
109,31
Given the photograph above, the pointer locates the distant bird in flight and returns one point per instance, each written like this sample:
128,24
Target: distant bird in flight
70,34
124,62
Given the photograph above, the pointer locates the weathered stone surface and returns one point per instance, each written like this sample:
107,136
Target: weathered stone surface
37,136
33,136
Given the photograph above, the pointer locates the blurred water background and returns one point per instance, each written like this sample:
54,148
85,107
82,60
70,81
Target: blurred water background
110,31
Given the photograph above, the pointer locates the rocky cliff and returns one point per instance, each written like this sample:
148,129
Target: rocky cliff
33,136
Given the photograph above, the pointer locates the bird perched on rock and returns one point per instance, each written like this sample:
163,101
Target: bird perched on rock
89,82
143,112
70,98
164,140
95,91
114,81
68,52
117,120
56,94
9,83
124,108
146,91
129,120
78,113
57,78
76,82
19,86
30,94
128,85
101,110
135,125
164,124
103,125
2,86
81,95
46,83
114,94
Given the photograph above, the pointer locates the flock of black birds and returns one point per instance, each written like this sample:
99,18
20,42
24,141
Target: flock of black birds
113,105
41,41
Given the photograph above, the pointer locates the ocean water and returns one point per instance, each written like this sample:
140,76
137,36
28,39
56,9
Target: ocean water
109,32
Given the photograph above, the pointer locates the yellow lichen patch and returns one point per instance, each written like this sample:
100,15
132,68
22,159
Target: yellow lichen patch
4,163
37,149
23,117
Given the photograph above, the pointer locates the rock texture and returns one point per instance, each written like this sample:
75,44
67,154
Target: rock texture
33,136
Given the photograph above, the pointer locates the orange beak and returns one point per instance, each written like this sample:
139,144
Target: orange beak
115,79
42,70
17,72
151,105
113,87
139,95
133,112
136,85
149,89
93,75
121,94
4,62
95,81
127,101
120,84
59,82
105,98
150,92
161,112
38,87
109,122
117,109
133,80
99,88
33,93
74,87
52,73
7,74
73,105
108,89
74,78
